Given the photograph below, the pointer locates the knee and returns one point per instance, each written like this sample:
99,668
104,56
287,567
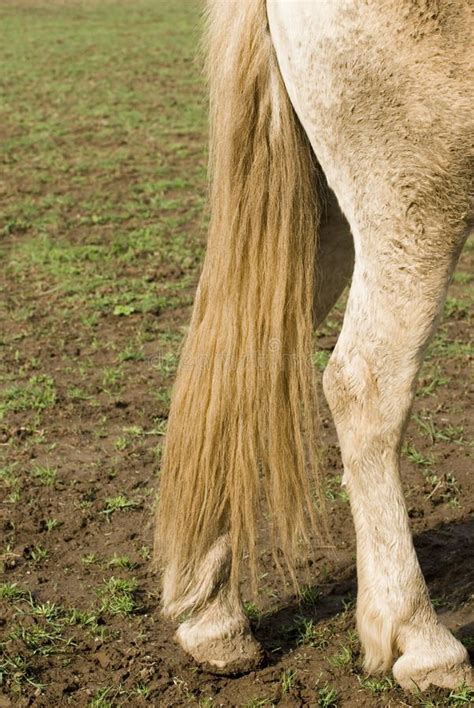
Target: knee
349,381
369,401
187,590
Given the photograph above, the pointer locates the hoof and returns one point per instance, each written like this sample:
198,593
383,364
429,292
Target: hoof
235,653
229,656
414,672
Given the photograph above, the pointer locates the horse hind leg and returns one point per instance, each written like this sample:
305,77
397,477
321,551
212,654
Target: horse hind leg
404,188
214,628
334,258
240,431
369,384
405,255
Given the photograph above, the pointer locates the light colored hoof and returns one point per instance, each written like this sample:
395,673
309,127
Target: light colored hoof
417,671
229,655
234,652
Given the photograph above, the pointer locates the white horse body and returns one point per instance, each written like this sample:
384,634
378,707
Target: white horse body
382,91
380,147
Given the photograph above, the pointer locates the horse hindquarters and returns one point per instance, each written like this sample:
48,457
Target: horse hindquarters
384,99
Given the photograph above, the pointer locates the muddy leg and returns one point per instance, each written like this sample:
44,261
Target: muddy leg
214,627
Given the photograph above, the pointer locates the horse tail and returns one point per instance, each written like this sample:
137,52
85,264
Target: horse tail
242,428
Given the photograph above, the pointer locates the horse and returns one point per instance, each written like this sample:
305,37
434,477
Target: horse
340,153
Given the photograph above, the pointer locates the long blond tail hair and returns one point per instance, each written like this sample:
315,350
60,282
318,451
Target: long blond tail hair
242,426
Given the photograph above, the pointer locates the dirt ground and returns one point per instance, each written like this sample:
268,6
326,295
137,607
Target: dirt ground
102,227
